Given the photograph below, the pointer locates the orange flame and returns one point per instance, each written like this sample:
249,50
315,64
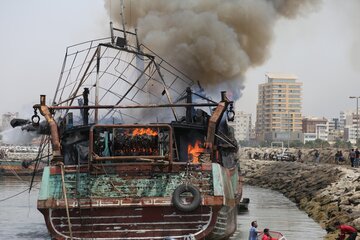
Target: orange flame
144,131
195,151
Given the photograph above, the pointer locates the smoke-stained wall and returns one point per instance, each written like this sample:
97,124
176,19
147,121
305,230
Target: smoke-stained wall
213,41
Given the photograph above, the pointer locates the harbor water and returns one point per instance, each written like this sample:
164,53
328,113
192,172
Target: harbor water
274,211
19,218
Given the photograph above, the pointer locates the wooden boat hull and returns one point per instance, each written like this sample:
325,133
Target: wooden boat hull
142,217
131,223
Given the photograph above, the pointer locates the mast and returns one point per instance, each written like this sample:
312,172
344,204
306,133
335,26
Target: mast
96,117
122,14
112,33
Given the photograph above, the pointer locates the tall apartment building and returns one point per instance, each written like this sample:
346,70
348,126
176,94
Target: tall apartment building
342,121
242,125
278,116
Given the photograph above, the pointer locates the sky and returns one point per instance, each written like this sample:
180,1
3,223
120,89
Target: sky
322,48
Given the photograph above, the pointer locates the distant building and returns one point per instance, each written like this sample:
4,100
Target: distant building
342,121
242,126
315,128
6,118
334,124
308,137
278,116
322,131
336,129
352,127
309,124
252,133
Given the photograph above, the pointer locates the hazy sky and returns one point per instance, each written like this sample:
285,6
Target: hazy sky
322,48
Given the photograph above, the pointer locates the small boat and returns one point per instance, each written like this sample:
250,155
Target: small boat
14,168
21,163
244,205
274,236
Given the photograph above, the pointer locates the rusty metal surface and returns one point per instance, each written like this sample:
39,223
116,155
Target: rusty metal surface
55,140
128,205
124,184
132,223
213,122
135,106
93,156
135,167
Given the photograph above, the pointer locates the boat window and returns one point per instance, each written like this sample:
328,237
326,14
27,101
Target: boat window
131,142
191,145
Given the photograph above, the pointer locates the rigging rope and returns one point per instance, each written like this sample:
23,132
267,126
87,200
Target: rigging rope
16,194
44,140
66,199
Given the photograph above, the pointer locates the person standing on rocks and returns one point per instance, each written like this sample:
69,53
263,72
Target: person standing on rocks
317,157
352,157
346,230
299,153
253,234
357,158
337,156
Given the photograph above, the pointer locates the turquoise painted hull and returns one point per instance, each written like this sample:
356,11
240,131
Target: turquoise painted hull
117,204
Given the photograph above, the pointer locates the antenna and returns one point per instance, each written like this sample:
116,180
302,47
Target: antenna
112,33
122,14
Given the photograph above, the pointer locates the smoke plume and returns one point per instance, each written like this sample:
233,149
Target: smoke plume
213,41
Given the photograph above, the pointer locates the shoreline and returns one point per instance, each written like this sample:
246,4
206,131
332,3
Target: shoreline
326,192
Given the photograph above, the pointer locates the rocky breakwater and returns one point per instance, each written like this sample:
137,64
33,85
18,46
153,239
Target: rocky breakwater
326,192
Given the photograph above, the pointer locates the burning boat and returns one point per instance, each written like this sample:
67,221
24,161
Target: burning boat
138,150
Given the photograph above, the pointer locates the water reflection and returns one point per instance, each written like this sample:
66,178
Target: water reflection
273,210
19,218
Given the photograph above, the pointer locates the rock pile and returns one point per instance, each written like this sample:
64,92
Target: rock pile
327,155
326,192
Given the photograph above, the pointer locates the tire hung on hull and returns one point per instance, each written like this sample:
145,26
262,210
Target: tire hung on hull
179,204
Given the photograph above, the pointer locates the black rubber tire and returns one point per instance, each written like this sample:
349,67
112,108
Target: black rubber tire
176,199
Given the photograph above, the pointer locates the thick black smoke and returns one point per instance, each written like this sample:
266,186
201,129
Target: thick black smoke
213,41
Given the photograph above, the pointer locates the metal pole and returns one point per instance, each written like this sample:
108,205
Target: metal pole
357,119
96,116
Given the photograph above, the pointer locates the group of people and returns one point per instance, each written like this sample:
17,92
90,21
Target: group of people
339,157
354,156
254,233
345,231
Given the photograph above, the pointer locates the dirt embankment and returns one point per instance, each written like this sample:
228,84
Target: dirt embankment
326,192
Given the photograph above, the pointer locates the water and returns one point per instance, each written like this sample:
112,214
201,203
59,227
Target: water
19,218
274,211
